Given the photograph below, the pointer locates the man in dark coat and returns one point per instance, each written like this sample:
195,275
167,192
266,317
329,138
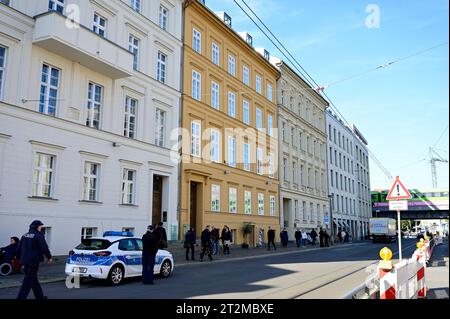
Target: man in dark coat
206,244
149,251
284,237
321,237
189,242
215,240
9,252
31,251
326,238
271,238
161,236
313,236
298,237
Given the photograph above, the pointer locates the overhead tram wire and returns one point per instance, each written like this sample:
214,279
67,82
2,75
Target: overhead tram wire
445,130
384,170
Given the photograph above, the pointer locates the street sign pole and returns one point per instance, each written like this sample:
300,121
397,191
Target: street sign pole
399,236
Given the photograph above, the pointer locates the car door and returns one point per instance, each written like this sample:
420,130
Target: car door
140,247
130,256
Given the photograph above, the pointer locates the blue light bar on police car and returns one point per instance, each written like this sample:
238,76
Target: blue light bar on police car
117,233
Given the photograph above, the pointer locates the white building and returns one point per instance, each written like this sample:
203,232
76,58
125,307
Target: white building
304,202
86,113
349,181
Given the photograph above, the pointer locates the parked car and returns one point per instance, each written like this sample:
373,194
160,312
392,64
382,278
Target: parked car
115,256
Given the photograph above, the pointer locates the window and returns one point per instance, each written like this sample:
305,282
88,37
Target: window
284,169
269,92
90,181
270,125
259,124
215,102
283,131
215,54
304,210
133,47
127,245
294,172
246,75
231,104
215,147
129,129
246,112
195,139
259,161
232,200
88,232
43,177
161,71
293,136
196,85
160,124
99,26
197,41
232,151
2,68
300,140
215,198
271,166
163,17
49,90
232,65
329,132
302,181
272,206
247,156
332,178
56,5
128,186
296,208
260,204
248,202
258,84
331,156
136,5
94,105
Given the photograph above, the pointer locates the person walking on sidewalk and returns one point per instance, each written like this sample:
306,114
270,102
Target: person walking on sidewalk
189,242
227,239
343,236
321,237
206,244
215,240
298,237
326,238
304,238
161,236
313,236
339,235
284,237
32,249
149,251
271,238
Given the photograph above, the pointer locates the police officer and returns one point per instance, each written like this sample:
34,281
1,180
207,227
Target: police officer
32,248
149,251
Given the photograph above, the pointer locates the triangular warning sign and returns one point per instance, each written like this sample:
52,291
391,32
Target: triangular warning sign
398,191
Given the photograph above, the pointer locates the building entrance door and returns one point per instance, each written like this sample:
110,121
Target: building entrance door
157,199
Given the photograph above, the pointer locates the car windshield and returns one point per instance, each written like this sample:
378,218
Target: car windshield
93,244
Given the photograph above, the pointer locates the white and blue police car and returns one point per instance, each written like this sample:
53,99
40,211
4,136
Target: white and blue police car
115,256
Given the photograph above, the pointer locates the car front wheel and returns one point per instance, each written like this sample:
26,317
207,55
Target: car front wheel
116,274
166,269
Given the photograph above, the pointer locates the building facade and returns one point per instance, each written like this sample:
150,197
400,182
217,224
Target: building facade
349,180
87,105
304,202
228,169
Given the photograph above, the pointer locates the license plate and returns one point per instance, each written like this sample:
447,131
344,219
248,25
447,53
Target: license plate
81,270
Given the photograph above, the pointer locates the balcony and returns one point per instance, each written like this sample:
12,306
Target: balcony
82,45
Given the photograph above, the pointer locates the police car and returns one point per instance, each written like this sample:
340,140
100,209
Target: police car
115,256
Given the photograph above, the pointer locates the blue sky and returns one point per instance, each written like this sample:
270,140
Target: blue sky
402,109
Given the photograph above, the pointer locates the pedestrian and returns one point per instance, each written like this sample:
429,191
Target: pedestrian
349,235
321,237
284,237
271,238
326,238
206,244
227,239
8,253
313,236
150,249
161,236
339,234
304,238
298,236
32,249
189,242
343,235
215,240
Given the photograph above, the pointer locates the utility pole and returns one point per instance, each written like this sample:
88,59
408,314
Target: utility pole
435,157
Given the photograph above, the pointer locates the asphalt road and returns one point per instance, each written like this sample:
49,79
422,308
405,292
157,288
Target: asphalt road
323,273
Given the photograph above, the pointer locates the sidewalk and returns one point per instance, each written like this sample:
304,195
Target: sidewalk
55,272
437,273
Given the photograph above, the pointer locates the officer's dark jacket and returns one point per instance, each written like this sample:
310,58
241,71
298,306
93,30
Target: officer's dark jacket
189,237
32,248
150,244
271,234
206,237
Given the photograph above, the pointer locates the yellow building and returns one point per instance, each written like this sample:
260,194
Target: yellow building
229,117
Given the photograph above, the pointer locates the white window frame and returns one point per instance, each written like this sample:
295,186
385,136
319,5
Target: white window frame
246,155
246,75
232,151
272,202
270,124
94,112
91,230
248,202
130,113
260,204
197,41
232,200
39,170
259,124
96,25
136,5
215,54
259,161
271,166
48,86
160,127
133,47
163,17
215,146
246,112
215,95
196,129
161,74
258,84
3,69
232,65
269,92
89,179
215,198
128,187
196,85
232,104
56,5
